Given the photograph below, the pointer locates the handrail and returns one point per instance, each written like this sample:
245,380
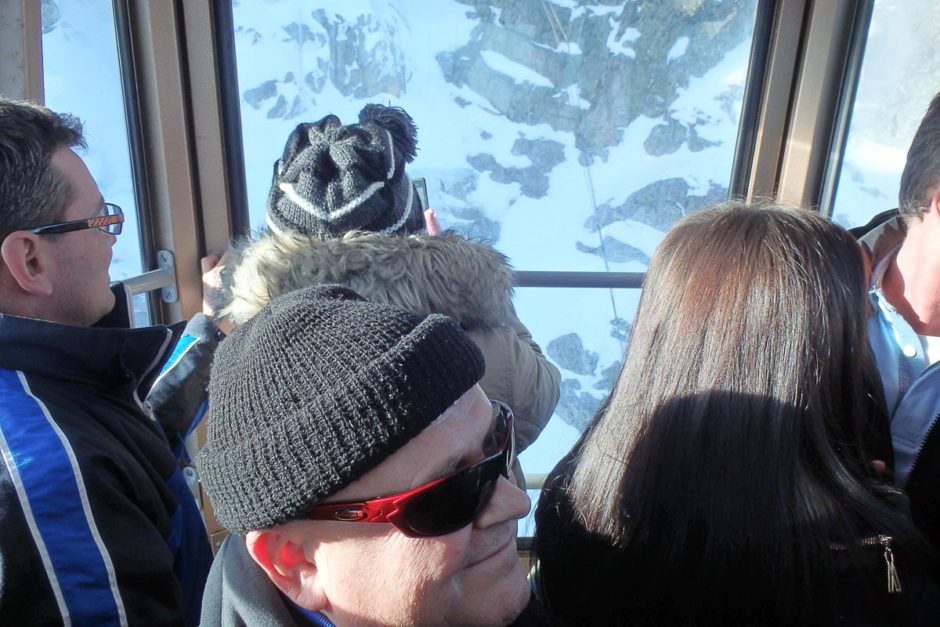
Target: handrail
150,281
535,480
163,279
627,280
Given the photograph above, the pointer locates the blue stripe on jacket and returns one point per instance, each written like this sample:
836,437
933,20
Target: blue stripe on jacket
189,544
52,494
183,345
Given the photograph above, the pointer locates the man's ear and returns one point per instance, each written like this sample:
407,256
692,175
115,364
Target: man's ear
287,565
21,254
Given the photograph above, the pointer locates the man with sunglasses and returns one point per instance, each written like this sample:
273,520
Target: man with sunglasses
97,523
364,474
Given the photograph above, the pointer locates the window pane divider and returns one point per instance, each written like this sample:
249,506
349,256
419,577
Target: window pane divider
627,280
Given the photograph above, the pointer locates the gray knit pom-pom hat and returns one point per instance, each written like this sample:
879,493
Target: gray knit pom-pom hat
316,390
333,178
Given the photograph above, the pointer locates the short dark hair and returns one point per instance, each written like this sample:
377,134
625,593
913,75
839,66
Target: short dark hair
922,170
32,191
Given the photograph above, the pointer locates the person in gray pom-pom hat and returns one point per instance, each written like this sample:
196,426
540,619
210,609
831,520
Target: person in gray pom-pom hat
342,210
365,473
333,178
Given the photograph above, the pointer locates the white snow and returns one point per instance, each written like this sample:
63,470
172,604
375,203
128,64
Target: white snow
678,49
618,42
573,94
520,73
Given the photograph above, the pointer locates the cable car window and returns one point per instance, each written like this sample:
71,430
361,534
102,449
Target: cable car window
573,126
81,76
896,83
569,134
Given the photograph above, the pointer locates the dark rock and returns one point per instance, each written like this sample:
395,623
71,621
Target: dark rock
458,183
50,15
544,154
612,249
621,329
299,32
279,108
317,79
665,138
608,378
361,64
697,143
477,225
658,204
297,107
569,353
259,94
574,407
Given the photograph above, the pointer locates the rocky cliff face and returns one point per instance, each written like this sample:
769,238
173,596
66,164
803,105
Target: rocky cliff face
361,58
605,63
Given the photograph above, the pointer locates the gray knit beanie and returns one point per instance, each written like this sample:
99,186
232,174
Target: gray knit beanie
333,179
316,390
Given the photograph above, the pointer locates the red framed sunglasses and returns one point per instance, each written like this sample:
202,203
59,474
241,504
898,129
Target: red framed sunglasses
441,506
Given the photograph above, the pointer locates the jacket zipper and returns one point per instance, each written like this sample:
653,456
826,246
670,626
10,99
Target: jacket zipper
894,583
921,446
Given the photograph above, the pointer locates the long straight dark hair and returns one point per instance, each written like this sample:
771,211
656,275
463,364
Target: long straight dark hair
732,452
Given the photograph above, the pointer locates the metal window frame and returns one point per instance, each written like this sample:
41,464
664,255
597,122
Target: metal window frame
21,50
847,95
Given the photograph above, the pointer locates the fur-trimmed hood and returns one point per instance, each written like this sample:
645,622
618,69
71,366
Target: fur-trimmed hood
466,280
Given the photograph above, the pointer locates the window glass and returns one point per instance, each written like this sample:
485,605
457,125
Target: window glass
897,82
585,332
81,75
567,133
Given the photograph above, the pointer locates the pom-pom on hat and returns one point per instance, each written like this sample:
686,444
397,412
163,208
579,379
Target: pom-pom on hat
316,390
333,178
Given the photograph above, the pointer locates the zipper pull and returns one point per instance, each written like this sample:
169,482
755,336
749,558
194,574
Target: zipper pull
894,583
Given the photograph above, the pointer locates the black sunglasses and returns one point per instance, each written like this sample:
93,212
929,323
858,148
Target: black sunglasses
110,220
443,505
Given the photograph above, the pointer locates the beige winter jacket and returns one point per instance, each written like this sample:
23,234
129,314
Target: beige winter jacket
447,274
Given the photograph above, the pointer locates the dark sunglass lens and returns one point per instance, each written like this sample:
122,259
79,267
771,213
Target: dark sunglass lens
454,503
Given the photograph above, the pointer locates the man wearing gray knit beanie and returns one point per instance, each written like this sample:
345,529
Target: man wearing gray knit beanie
363,472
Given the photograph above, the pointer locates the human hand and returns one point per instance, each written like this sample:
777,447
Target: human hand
431,225
212,267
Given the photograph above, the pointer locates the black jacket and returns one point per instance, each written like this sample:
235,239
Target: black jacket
585,580
97,522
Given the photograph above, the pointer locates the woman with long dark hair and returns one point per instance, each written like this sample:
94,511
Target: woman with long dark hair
729,478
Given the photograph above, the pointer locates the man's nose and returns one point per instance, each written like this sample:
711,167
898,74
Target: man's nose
507,503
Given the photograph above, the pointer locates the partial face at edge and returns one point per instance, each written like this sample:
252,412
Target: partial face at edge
373,574
80,259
